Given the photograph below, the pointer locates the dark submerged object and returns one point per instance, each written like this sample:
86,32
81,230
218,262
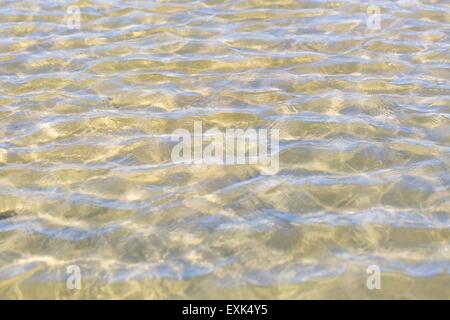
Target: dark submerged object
8,214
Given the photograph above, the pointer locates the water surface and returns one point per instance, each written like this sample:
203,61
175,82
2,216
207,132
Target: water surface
86,176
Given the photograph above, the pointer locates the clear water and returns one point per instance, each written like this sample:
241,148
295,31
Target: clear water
86,176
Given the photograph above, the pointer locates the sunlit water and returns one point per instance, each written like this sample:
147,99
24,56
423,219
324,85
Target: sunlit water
86,176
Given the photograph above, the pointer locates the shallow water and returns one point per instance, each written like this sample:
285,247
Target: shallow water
86,176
